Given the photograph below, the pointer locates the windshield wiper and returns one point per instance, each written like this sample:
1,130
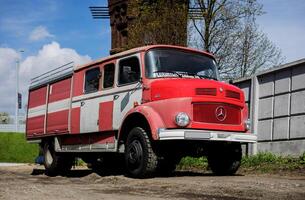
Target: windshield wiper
169,71
200,76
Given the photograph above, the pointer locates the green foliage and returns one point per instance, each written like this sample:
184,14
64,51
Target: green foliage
268,162
14,148
188,163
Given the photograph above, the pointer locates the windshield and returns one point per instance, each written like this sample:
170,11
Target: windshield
178,63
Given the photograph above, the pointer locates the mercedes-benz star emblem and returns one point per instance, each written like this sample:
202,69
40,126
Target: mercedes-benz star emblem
221,113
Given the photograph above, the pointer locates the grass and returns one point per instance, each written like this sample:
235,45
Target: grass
264,162
14,148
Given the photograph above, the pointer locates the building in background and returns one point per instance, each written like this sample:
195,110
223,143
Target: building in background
141,22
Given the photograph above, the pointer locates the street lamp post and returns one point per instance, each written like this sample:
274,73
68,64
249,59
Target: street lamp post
17,90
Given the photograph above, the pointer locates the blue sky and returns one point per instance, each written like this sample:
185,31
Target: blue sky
53,33
69,22
284,24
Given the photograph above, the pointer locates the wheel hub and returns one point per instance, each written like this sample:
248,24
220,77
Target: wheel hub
135,153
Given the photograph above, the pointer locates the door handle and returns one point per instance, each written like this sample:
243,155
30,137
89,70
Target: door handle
115,97
82,103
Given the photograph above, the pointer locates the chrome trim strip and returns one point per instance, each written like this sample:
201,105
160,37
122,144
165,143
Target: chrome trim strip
188,134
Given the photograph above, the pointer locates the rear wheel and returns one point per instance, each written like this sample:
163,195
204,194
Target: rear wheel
224,158
55,164
140,159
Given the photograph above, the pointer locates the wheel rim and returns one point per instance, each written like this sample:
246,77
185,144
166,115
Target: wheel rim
48,157
135,154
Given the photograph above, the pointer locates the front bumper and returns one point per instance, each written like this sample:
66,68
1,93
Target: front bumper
189,134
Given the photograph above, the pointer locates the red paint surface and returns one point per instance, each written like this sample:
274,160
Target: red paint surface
57,122
169,96
35,126
105,116
60,90
78,83
167,88
75,120
37,97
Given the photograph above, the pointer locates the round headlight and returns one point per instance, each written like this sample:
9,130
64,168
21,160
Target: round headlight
182,119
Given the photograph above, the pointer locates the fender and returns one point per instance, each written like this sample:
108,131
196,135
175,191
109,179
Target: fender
153,118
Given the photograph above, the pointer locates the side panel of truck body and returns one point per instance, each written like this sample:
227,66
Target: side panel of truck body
64,107
48,110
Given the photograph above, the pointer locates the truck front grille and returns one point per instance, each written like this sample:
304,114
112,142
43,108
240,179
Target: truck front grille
216,113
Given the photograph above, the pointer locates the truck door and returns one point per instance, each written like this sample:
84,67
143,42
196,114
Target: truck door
89,105
129,88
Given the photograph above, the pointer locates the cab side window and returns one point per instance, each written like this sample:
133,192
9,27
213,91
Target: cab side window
129,71
108,76
92,80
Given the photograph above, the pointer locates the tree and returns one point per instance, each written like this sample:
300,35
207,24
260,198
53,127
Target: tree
227,28
4,118
158,22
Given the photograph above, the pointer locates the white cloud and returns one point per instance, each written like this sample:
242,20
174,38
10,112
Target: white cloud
40,33
50,56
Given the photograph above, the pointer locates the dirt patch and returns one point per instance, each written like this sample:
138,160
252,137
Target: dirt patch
29,182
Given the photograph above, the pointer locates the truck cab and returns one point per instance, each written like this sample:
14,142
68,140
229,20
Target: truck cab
149,106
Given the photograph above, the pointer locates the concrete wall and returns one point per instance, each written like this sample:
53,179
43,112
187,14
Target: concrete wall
276,100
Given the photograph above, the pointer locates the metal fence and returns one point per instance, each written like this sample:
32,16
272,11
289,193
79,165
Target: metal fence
12,128
276,100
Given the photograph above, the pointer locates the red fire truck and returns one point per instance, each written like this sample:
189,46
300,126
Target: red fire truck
150,106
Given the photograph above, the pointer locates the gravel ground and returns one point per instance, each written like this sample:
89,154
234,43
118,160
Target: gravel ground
29,182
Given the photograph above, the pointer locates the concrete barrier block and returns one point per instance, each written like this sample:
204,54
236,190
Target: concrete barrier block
298,77
281,128
264,131
282,81
265,109
294,147
281,105
298,102
266,85
297,124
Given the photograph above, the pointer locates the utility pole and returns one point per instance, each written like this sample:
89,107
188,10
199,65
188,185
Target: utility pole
17,90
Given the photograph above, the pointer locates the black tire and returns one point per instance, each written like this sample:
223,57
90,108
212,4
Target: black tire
140,159
55,164
224,158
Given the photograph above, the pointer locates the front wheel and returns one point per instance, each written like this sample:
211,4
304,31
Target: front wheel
140,159
224,158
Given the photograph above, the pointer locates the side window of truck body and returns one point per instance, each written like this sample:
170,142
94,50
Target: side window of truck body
108,80
129,71
92,79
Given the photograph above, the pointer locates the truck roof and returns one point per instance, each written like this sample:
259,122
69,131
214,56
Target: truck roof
136,50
